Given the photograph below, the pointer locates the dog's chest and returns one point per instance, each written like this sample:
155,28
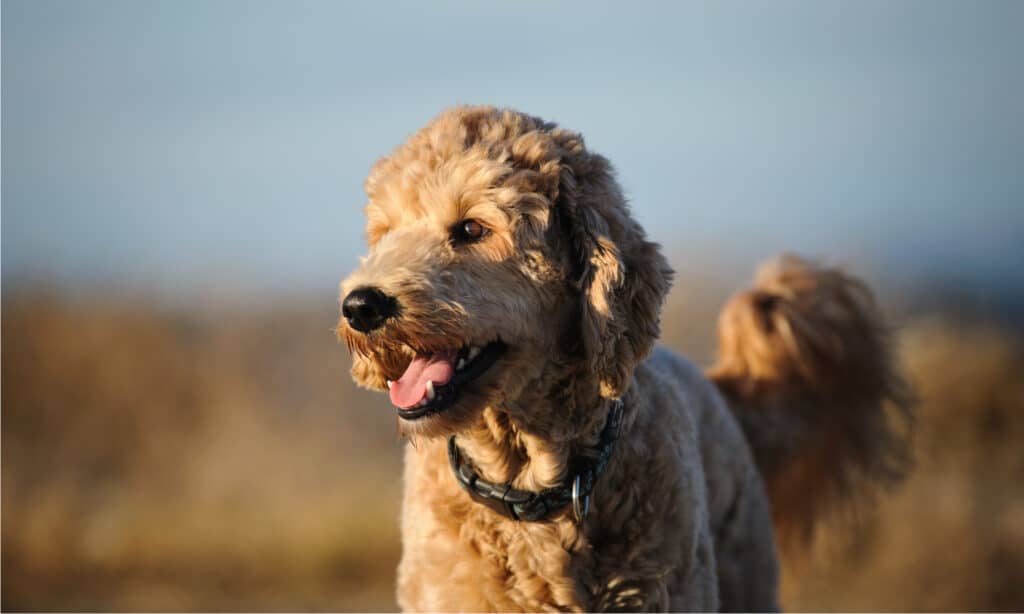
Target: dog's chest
459,555
511,566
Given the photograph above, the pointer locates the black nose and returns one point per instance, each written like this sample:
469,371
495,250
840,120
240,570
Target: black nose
366,308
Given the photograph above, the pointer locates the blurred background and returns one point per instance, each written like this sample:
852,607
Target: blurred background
181,194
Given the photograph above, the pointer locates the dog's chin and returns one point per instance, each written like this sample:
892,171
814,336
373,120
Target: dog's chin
443,391
460,416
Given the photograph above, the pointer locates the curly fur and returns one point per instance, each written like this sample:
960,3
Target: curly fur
566,277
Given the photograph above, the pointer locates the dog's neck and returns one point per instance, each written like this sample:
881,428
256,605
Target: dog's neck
533,454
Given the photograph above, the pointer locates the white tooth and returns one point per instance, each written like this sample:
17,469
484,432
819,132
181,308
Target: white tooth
390,383
430,391
473,352
423,403
461,365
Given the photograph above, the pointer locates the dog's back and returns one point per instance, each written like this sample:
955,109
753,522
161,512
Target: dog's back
806,405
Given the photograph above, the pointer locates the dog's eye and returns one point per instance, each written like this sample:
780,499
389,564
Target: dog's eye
468,231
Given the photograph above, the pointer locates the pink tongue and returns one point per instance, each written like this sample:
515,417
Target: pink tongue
410,389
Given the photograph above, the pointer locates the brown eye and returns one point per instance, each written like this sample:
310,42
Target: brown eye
468,231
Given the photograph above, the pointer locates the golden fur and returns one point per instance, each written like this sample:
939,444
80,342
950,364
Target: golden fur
567,278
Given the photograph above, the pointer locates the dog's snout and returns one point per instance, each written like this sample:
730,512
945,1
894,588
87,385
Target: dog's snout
367,308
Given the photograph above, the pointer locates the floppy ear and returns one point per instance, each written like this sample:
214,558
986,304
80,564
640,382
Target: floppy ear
622,277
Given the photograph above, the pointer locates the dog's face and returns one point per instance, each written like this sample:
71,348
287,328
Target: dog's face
498,273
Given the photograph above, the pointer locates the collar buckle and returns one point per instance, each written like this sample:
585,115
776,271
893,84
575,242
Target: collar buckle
580,505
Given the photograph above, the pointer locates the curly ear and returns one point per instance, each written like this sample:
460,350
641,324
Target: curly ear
622,277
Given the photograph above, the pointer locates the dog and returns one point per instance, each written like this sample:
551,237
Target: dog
556,460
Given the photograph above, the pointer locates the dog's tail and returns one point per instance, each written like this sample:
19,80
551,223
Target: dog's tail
808,368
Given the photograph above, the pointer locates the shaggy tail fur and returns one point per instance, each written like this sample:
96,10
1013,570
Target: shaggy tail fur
807,366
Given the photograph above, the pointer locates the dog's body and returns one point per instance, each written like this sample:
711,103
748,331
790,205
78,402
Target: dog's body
509,299
650,542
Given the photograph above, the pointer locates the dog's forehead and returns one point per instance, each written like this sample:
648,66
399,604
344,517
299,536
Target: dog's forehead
495,166
467,185
443,190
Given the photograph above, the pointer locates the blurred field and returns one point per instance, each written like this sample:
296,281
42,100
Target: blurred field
219,458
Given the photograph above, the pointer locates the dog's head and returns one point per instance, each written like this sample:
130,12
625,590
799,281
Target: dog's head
504,268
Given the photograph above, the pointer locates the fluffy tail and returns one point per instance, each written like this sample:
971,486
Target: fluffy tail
807,365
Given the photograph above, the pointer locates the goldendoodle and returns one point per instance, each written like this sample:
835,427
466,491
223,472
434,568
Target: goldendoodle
510,304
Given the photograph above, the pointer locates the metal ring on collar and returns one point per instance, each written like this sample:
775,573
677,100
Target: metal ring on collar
579,509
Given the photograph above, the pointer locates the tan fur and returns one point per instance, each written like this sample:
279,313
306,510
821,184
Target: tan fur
566,277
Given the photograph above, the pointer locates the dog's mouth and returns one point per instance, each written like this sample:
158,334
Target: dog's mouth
432,381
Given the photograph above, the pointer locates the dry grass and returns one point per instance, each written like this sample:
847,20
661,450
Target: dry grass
211,459
159,461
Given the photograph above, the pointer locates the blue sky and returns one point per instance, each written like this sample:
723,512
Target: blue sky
195,143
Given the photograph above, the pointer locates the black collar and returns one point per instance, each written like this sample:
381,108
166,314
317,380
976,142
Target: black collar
585,468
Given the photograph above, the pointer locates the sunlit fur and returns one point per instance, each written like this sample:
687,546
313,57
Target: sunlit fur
567,278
